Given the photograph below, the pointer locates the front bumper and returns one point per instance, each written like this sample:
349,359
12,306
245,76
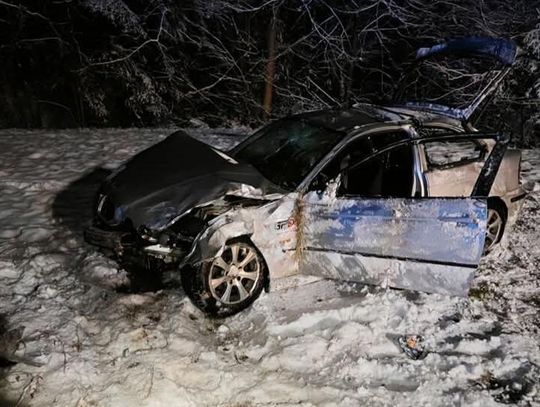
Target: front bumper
115,240
132,249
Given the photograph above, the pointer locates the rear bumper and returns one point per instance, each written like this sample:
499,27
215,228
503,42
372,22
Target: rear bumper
514,201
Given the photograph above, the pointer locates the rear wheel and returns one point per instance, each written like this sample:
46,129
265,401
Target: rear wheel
229,283
494,228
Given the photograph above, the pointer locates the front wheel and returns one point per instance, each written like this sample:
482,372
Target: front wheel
228,283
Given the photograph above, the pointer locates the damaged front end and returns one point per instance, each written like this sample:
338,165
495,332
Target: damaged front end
151,211
176,244
145,247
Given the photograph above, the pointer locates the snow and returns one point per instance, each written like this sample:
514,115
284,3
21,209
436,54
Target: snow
94,337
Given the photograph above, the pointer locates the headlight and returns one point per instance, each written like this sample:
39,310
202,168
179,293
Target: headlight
119,214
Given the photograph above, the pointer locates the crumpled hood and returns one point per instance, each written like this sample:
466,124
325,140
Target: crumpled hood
176,175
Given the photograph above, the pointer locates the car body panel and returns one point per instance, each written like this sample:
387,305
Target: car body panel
431,245
417,229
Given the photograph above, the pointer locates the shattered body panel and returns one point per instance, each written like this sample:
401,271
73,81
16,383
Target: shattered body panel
167,180
271,227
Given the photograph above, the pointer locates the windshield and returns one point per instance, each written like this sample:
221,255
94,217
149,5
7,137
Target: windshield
287,150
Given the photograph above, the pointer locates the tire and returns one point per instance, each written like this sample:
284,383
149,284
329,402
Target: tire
496,222
228,283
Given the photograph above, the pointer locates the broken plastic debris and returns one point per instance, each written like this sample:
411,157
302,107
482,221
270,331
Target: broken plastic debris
413,346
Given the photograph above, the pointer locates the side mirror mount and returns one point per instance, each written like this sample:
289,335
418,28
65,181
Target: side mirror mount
332,187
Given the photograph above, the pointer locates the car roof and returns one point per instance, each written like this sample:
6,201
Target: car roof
347,119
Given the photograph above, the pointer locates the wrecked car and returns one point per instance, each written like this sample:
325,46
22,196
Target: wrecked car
407,196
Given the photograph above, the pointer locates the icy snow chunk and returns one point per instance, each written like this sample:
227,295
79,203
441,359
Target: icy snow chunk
478,346
47,291
8,270
137,340
304,356
9,233
104,271
48,262
136,299
35,234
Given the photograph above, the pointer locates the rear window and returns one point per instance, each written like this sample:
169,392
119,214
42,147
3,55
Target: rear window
441,154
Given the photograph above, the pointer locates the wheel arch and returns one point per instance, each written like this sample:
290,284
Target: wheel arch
497,203
210,242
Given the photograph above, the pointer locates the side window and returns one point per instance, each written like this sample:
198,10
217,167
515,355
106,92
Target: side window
388,174
353,153
450,153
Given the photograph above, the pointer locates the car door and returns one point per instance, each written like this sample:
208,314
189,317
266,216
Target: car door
452,166
366,227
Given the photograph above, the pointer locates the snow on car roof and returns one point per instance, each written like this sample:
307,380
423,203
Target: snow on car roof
364,114
340,119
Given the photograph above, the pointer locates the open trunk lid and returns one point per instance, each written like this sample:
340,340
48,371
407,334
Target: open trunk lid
497,54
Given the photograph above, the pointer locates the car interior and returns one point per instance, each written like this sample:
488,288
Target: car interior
386,174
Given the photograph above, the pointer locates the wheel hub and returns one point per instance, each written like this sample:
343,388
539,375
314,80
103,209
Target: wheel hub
233,271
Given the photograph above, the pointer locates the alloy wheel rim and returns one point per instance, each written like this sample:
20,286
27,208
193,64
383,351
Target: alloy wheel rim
493,228
234,274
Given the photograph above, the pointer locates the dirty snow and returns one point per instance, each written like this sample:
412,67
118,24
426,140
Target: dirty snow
93,336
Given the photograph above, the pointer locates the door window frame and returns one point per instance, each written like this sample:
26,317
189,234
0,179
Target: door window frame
419,183
486,176
430,167
379,153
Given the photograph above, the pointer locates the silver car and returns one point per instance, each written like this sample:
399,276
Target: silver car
407,196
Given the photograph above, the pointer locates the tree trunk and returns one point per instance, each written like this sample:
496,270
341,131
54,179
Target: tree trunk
270,69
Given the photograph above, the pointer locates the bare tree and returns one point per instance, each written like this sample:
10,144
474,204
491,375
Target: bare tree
136,62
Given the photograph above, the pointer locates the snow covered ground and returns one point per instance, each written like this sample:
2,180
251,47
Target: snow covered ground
92,337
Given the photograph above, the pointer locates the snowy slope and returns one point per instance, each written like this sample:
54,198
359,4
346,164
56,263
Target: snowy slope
91,339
